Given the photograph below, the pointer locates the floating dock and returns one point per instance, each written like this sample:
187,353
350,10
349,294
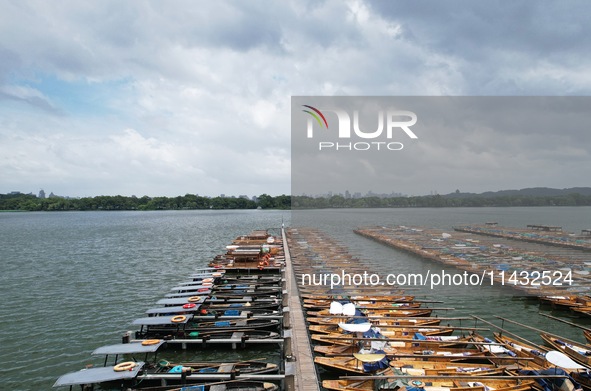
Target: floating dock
542,234
497,258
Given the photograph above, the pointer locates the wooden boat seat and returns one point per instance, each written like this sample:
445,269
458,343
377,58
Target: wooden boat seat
225,368
237,335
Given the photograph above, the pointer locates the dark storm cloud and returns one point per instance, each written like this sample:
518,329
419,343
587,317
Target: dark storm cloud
523,47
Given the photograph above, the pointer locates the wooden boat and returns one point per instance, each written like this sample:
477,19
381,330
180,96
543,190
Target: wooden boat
453,384
199,368
233,325
446,367
432,354
241,299
358,363
565,302
348,350
389,321
232,385
587,334
245,286
348,339
373,312
386,332
247,312
493,349
575,350
397,313
259,279
254,292
521,349
393,347
386,298
227,334
166,328
383,304
247,306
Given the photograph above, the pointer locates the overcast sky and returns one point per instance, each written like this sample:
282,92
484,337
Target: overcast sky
174,97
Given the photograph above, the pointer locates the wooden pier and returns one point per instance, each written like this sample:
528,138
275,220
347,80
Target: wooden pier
299,368
498,257
541,234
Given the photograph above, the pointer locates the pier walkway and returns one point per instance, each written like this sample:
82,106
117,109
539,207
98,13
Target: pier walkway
302,367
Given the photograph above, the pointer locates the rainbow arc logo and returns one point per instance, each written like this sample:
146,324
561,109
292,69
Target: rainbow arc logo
317,114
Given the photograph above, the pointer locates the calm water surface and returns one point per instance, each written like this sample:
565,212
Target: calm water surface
74,281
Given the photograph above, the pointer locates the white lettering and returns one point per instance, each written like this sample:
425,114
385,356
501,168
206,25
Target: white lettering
402,125
362,134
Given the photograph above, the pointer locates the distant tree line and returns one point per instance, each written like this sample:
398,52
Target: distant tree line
438,201
29,202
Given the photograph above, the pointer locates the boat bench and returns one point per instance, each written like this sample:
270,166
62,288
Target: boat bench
225,368
237,335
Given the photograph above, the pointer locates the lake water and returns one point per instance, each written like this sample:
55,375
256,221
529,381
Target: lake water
74,281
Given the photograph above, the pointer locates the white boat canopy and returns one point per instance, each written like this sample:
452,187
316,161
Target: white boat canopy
97,375
127,348
173,310
163,320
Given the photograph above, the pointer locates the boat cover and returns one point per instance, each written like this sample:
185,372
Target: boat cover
176,300
160,320
127,348
188,294
355,327
189,287
96,375
213,274
562,360
173,310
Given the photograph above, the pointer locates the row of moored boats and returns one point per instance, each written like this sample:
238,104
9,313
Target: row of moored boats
233,303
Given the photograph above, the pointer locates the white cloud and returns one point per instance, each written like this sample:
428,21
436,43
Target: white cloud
178,93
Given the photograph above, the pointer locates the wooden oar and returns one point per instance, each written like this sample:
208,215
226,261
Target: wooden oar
447,377
565,321
527,327
507,332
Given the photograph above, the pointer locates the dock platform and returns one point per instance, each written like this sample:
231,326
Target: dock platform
303,368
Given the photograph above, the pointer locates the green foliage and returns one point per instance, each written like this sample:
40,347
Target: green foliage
438,201
28,202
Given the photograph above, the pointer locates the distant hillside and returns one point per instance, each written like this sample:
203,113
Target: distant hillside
529,192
